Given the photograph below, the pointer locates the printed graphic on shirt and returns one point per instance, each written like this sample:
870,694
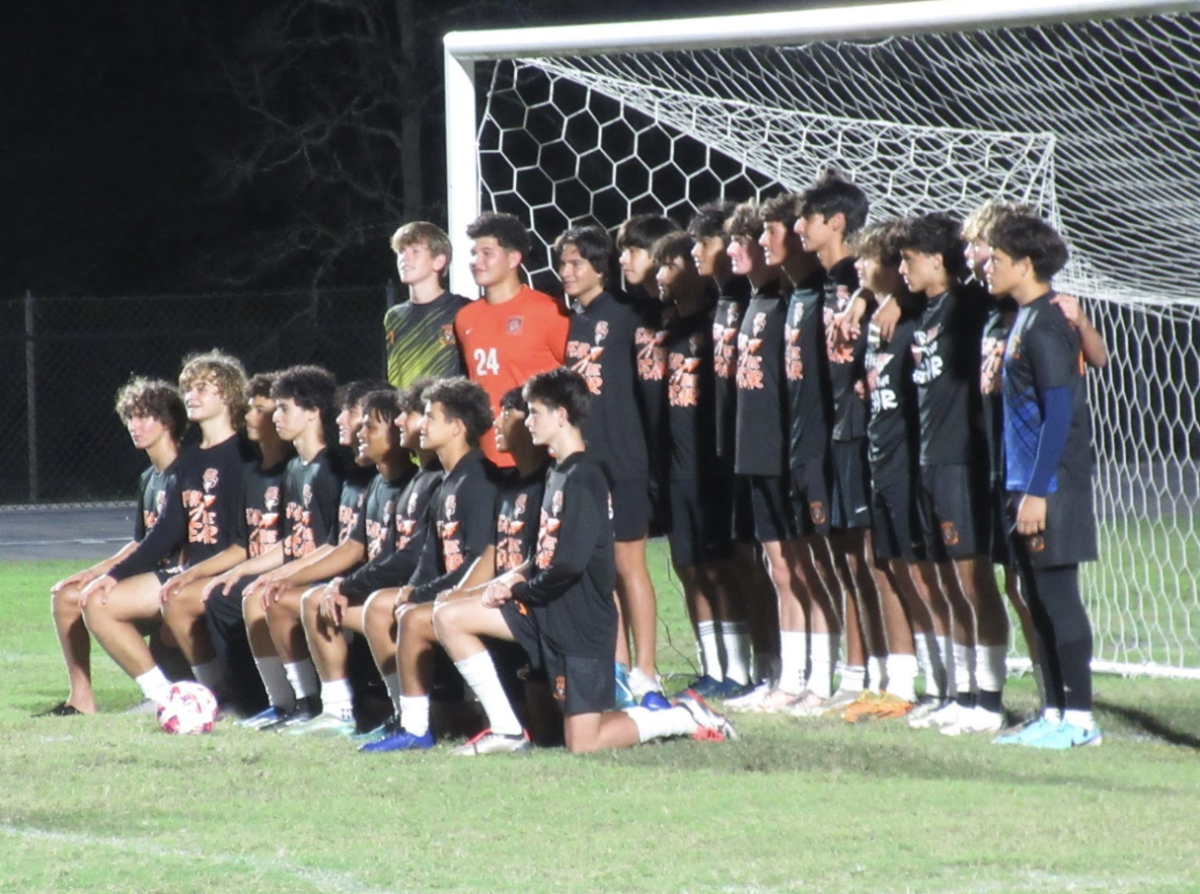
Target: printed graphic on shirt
683,385
511,530
263,524
584,358
301,541
651,353
448,534
749,361
548,527
927,363
992,363
202,517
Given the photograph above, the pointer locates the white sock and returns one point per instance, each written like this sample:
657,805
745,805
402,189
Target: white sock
302,675
279,690
991,667
154,684
710,652
875,680
392,682
1080,718
660,724
414,714
963,671
736,637
337,698
902,676
480,674
854,678
793,656
820,681
210,674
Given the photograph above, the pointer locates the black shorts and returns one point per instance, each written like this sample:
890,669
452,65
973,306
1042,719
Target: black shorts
765,499
809,495
947,503
700,521
165,574
580,685
999,525
1070,534
850,498
893,525
631,509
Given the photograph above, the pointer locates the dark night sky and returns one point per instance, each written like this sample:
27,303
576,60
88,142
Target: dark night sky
111,115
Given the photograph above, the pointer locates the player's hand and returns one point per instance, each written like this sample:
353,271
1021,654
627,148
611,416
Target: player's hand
886,318
496,594
1031,515
78,579
99,588
1069,305
860,388
847,326
402,598
226,580
171,588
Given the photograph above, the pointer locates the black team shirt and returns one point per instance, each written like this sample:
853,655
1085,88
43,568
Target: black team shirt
892,435
569,590
761,447
727,319
461,523
691,398
351,502
518,502
650,371
806,368
263,490
991,374
945,351
600,347
310,495
395,566
156,492
845,359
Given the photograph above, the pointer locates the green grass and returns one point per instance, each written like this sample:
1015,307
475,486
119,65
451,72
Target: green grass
111,804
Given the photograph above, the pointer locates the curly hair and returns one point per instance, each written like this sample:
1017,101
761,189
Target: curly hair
464,401
226,372
157,398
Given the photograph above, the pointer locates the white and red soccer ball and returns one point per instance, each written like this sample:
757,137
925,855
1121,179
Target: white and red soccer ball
189,708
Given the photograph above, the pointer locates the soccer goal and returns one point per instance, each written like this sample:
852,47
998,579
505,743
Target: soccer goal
1089,110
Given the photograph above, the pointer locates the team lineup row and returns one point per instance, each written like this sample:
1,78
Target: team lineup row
849,417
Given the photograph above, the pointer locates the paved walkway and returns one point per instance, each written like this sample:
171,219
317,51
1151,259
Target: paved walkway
84,534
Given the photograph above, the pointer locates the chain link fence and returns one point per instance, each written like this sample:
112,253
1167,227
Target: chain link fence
63,359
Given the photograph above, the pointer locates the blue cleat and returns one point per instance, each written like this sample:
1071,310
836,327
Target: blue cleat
1066,736
655,701
705,685
267,715
1023,735
400,741
624,696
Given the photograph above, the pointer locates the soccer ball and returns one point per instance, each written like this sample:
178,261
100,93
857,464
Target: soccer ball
189,708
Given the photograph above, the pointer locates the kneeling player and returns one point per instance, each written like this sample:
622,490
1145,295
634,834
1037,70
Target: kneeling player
563,614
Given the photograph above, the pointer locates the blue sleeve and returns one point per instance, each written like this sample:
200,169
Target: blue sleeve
1056,424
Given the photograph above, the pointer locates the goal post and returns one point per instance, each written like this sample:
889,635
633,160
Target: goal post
1088,109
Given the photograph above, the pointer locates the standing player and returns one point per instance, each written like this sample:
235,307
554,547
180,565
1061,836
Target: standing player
514,331
601,347
699,494
951,494
155,417
420,331
1048,456
561,609
207,519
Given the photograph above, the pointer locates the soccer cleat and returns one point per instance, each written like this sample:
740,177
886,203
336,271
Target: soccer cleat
640,683
705,685
809,705
305,709
706,718
62,709
655,701
842,699
974,720
1023,734
323,725
145,706
1065,736
728,689
269,714
748,701
777,701
935,718
400,740
852,712
890,707
488,742
624,695
389,726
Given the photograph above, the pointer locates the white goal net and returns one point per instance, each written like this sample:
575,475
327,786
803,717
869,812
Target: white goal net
1096,121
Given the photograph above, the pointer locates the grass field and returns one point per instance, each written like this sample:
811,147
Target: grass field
111,804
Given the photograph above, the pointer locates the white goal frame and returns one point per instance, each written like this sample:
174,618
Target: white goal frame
464,50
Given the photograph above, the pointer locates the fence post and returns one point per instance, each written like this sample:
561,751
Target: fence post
31,393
